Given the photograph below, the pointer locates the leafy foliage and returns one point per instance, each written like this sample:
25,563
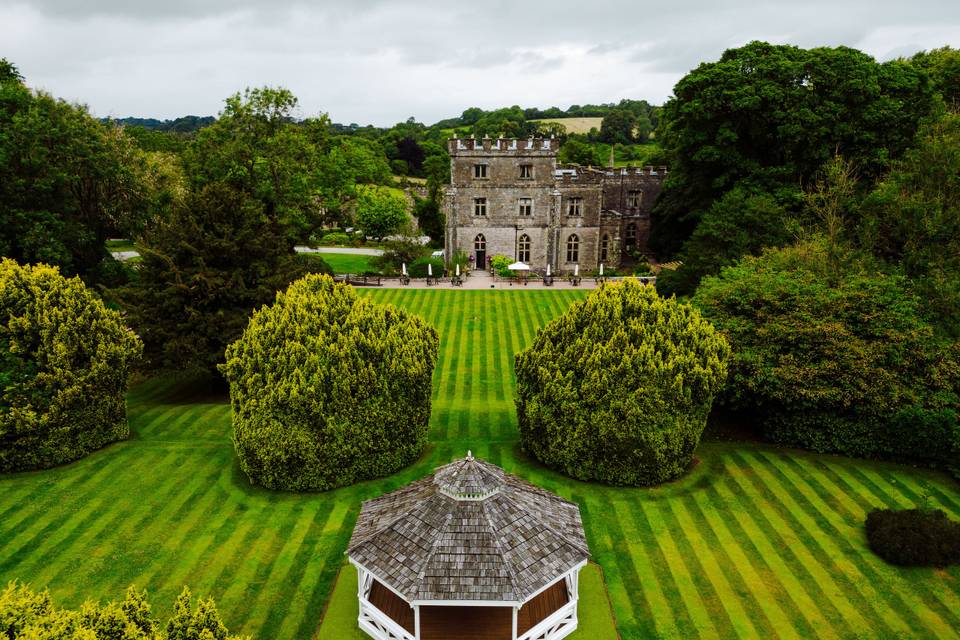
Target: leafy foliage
27,615
617,127
418,268
913,219
215,259
67,182
618,389
500,265
64,362
576,151
835,356
380,211
943,65
914,537
329,389
773,115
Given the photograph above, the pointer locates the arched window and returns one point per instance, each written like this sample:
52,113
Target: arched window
573,248
630,238
604,247
479,243
523,248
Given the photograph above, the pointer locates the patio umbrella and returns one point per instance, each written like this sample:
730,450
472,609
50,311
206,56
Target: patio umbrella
518,266
576,270
601,268
458,269
548,270
403,268
429,269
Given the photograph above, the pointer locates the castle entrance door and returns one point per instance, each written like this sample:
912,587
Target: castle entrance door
480,250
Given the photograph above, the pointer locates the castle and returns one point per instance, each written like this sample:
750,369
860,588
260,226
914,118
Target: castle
509,197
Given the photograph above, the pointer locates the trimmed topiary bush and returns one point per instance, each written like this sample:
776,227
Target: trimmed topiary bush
329,388
64,363
830,355
618,388
914,537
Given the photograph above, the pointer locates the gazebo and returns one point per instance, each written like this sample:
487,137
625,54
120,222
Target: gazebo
469,552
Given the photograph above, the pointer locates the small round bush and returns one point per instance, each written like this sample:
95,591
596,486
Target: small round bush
618,388
335,239
329,388
64,363
914,537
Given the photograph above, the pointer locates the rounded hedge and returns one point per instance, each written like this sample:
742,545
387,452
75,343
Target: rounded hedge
914,537
64,363
619,387
329,388
835,357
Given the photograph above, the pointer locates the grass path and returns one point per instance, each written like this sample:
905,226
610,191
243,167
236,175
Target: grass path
756,542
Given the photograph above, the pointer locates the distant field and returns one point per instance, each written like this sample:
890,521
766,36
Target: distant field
575,125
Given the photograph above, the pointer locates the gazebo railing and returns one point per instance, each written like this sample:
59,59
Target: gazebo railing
380,625
559,624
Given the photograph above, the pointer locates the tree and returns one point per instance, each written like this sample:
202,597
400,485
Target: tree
329,388
67,182
64,363
774,115
205,268
618,388
617,127
943,66
9,72
381,211
575,151
25,614
912,219
256,148
742,222
347,164
832,354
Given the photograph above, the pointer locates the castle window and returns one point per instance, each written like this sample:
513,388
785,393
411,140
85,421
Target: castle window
526,171
523,248
633,199
526,206
575,207
479,206
479,243
480,171
573,248
604,248
630,237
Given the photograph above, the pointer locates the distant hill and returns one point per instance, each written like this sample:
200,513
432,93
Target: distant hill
574,125
185,124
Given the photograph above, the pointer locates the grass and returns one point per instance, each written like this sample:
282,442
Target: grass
119,244
346,262
756,541
596,618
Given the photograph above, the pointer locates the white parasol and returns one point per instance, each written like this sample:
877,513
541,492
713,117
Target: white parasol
518,266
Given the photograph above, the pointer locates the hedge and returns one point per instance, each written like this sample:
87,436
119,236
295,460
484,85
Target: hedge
329,388
618,388
64,363
835,358
914,537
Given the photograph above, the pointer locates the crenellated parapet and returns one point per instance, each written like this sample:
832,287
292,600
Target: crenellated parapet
505,146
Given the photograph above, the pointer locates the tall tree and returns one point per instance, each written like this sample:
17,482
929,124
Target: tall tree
617,127
774,115
67,182
943,65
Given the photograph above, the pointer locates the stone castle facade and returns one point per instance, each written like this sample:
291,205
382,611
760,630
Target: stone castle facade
510,197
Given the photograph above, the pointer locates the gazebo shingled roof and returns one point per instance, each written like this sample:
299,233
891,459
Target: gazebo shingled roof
469,532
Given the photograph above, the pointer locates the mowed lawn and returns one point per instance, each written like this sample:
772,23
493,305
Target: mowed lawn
347,262
756,542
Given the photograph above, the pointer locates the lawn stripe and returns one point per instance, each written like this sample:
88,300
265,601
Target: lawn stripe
835,540
741,570
805,587
687,586
813,551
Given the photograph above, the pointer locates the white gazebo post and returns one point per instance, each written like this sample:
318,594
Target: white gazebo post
416,622
514,623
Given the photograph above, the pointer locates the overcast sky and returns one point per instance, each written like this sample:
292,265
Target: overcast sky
381,61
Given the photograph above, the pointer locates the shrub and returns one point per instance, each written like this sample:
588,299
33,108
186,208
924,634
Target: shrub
26,614
64,362
831,356
334,239
914,537
500,264
418,268
618,388
329,388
